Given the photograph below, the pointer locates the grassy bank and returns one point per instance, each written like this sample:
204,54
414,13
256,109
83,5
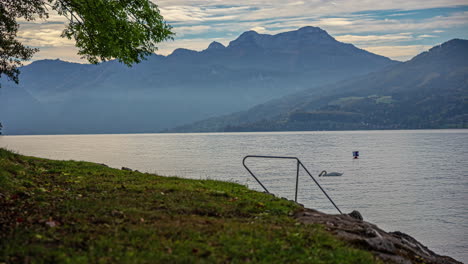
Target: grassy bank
80,212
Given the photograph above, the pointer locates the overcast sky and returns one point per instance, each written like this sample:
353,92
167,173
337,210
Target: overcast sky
399,29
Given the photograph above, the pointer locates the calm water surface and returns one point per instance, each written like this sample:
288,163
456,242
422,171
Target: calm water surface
412,181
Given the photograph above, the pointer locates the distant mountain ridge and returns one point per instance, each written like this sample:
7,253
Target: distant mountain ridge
285,40
185,86
429,91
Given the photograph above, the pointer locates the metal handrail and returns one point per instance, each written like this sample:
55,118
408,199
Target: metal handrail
299,163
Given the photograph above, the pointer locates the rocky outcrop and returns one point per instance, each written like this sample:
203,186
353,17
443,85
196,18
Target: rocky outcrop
391,247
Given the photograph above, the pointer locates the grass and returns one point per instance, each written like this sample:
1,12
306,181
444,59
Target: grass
80,212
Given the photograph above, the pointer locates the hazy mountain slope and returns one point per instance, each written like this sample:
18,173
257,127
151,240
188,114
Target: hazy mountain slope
429,91
16,108
166,91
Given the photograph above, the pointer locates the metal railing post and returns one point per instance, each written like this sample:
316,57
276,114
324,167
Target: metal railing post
316,182
299,163
297,180
251,173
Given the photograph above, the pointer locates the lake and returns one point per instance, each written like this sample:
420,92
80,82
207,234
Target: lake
414,181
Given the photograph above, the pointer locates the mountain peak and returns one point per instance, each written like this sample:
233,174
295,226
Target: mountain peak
250,33
451,44
182,52
215,46
310,29
303,36
247,38
312,35
452,51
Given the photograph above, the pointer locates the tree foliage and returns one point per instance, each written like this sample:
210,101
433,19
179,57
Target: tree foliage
12,52
127,30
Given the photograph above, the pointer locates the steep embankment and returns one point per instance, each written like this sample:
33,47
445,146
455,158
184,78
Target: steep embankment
80,212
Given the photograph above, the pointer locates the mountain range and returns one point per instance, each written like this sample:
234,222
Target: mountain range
297,80
428,91
57,97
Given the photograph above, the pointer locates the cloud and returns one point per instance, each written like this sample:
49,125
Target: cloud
43,35
197,13
401,53
192,30
360,39
249,10
365,23
427,36
68,53
361,22
335,22
296,3
183,13
259,29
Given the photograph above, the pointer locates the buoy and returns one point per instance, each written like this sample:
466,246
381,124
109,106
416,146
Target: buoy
356,154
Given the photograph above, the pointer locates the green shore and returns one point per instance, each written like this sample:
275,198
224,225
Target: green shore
81,212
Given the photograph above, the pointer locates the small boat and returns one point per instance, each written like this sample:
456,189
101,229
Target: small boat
324,173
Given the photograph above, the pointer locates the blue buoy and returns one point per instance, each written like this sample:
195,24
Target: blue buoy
356,154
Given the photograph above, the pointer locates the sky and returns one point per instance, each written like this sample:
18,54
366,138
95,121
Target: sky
399,29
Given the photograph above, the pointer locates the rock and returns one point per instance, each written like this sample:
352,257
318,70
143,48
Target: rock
390,247
356,214
126,169
380,244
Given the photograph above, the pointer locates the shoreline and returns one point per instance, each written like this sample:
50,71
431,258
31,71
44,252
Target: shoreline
429,130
